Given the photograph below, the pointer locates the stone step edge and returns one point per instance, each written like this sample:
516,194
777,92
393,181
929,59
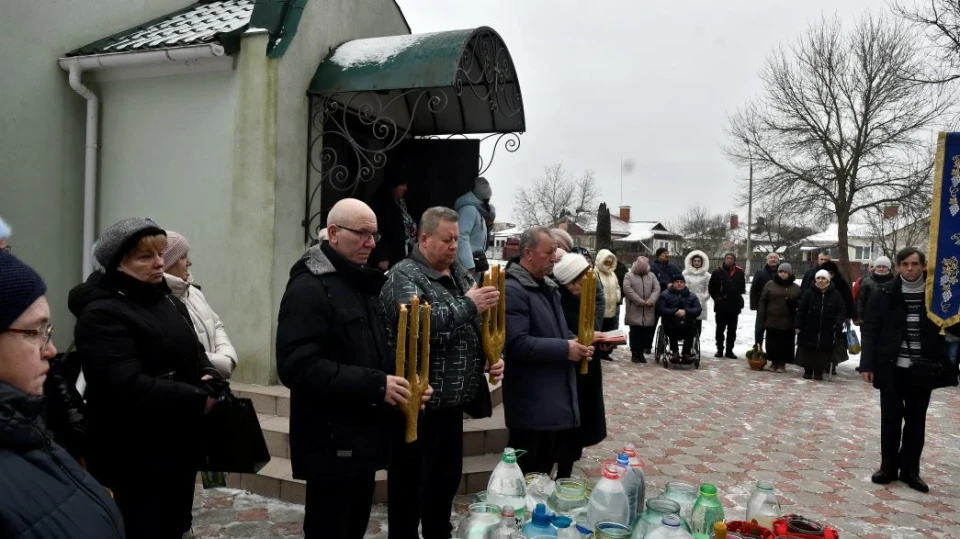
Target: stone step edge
275,400
480,436
276,480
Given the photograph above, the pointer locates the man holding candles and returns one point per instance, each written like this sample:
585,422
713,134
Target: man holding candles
332,353
424,475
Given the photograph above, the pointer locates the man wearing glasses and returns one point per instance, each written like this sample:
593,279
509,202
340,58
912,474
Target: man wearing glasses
332,353
36,474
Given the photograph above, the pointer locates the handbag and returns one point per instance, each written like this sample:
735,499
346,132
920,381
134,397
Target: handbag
930,374
233,440
853,342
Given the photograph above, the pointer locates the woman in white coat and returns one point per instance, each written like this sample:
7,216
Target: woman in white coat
206,323
697,274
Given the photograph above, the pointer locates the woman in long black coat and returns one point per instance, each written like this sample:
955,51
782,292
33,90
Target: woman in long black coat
593,422
819,322
149,382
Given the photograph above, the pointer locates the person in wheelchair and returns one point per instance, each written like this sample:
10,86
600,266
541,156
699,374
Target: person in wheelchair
678,309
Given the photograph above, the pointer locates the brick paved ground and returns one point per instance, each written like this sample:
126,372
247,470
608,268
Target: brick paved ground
818,442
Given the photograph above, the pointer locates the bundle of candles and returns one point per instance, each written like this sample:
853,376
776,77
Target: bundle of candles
493,323
411,339
588,300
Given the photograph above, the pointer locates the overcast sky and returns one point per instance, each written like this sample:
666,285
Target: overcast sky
654,80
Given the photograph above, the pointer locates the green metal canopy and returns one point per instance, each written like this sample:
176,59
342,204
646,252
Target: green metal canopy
443,83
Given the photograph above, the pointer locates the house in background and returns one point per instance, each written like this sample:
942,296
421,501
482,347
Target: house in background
644,237
583,228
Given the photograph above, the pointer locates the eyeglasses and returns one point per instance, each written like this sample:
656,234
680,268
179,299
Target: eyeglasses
46,333
364,236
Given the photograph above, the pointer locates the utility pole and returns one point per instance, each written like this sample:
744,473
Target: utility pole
749,265
621,178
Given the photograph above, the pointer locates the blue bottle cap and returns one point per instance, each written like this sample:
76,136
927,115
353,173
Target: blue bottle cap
623,459
540,516
562,522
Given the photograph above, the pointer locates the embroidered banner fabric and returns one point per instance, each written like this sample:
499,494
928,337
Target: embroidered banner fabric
943,265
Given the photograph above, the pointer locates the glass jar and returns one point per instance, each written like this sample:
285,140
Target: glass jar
568,497
483,519
652,516
764,507
684,494
612,530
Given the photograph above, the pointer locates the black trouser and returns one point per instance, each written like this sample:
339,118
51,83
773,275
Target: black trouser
339,507
903,415
544,448
685,333
641,338
156,504
758,331
424,476
727,323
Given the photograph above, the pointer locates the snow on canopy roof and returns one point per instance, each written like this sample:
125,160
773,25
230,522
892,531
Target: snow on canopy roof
507,232
374,51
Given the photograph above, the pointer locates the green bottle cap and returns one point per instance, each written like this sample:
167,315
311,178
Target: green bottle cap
708,490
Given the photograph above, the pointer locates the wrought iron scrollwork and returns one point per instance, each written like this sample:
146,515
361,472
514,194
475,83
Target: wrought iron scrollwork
509,141
487,70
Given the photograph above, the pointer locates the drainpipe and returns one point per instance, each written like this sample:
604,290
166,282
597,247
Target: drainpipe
75,66
90,165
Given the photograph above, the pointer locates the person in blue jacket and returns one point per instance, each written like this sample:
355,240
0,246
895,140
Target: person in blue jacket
679,309
474,210
43,491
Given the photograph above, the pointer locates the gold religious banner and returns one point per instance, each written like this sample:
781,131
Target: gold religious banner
414,337
588,308
493,323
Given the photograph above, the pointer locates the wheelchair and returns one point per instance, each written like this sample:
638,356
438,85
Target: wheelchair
662,353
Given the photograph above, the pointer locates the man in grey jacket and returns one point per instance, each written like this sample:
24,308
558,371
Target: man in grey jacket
542,355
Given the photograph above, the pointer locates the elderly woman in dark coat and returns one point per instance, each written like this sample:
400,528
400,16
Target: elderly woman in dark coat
149,382
819,321
593,423
776,311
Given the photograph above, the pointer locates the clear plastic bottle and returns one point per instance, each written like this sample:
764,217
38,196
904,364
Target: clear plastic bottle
670,528
706,512
507,529
637,464
507,485
631,483
540,523
764,507
608,501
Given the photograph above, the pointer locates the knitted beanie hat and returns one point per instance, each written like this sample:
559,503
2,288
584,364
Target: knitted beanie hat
177,247
569,268
882,262
785,267
678,277
20,286
823,273
116,241
481,188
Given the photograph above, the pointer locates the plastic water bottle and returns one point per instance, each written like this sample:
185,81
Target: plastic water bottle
507,485
669,528
609,501
637,464
507,529
540,524
631,483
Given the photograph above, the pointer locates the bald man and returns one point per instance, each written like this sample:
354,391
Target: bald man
332,353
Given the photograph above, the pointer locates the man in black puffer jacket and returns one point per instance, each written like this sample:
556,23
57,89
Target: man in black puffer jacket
679,309
727,286
43,491
332,353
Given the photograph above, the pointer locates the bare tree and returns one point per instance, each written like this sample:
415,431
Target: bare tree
556,195
939,20
842,124
907,225
701,230
781,225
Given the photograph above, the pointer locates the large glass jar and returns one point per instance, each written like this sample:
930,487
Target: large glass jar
764,507
707,511
482,519
568,498
612,530
652,516
684,494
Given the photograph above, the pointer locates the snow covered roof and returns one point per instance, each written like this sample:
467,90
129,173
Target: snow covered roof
506,233
588,222
199,23
645,230
831,236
